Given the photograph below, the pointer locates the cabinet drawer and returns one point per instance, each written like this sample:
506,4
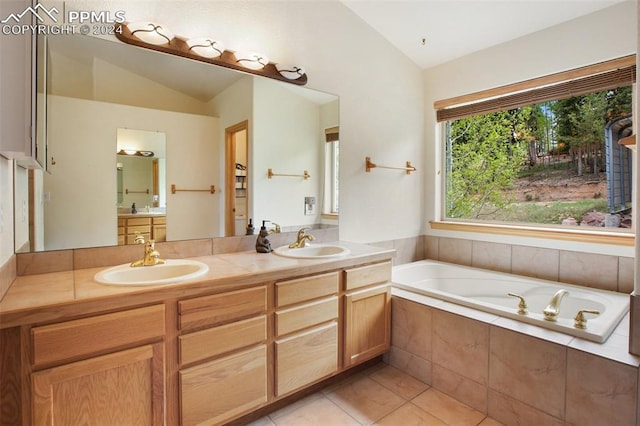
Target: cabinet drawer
303,289
162,220
225,338
88,336
306,357
221,308
300,317
143,229
135,221
219,390
368,275
122,222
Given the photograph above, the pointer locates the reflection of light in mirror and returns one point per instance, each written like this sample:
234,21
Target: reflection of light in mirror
205,47
290,72
150,33
135,152
251,60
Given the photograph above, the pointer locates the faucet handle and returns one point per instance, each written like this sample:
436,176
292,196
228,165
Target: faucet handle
522,306
579,321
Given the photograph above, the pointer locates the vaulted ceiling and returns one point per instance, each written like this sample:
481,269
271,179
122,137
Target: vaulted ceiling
454,28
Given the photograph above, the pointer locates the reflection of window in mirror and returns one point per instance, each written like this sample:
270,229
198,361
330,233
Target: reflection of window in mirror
120,179
332,148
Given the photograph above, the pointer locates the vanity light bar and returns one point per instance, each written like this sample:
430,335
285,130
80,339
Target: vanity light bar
156,37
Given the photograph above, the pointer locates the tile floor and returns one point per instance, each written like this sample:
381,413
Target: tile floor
381,395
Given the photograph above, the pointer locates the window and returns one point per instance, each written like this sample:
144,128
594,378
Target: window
332,155
546,152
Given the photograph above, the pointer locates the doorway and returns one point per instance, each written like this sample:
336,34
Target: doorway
236,179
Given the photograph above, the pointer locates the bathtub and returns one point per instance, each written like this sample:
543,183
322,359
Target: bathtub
487,291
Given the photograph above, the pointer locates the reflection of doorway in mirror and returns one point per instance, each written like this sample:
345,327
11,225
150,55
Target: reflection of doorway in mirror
236,180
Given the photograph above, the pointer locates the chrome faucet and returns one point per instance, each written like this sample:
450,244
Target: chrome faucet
302,238
151,256
553,308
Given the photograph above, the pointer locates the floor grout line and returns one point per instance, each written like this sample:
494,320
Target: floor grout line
321,394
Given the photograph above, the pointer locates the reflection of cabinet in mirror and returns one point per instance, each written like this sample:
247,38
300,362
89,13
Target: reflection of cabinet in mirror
151,227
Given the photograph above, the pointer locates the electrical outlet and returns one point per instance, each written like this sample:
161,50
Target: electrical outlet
309,206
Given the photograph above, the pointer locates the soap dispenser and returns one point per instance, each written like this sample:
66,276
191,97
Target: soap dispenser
250,228
133,208
262,242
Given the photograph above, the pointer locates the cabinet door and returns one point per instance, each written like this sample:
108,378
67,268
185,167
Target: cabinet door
306,357
217,391
15,86
159,233
123,388
367,323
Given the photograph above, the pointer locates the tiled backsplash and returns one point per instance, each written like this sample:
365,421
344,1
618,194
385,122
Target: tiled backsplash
64,260
591,270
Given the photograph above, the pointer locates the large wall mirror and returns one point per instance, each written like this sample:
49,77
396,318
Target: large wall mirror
182,174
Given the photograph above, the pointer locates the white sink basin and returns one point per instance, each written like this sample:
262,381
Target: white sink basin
313,251
172,271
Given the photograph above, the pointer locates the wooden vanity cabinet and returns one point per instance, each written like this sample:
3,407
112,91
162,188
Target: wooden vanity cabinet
105,369
307,334
207,359
223,355
159,229
367,312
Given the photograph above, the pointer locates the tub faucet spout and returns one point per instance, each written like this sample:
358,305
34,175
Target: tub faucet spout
553,308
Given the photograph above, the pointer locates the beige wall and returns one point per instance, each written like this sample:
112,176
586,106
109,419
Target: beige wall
607,34
88,205
385,99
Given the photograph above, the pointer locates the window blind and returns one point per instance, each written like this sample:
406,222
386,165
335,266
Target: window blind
531,92
332,134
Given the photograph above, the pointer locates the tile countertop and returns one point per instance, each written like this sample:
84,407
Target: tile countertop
142,214
63,295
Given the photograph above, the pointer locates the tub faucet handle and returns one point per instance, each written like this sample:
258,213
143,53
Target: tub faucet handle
579,321
522,306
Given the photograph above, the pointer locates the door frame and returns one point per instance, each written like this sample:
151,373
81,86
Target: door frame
230,176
